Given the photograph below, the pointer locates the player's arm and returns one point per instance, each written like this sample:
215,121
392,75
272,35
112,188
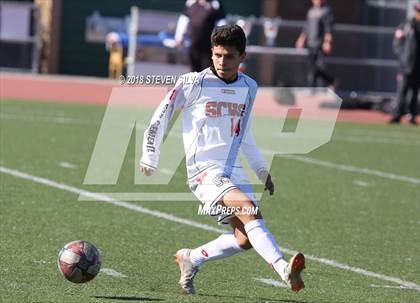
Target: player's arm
181,29
301,40
256,160
154,133
328,21
399,39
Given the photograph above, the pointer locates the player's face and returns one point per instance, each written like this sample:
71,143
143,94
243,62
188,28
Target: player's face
417,16
226,60
317,2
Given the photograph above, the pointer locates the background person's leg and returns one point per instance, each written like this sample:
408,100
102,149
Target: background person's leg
414,99
312,77
321,70
399,110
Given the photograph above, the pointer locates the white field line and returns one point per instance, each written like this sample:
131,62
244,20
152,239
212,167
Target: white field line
356,137
176,219
375,133
406,284
48,119
161,197
67,165
61,120
343,167
107,199
165,171
113,273
275,283
388,286
367,139
71,121
349,168
155,197
361,183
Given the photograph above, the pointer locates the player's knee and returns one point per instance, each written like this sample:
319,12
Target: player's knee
247,211
243,242
246,245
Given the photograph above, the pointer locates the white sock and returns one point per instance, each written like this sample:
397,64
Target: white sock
264,244
279,267
222,247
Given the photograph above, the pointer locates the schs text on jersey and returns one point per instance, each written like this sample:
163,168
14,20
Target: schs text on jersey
216,109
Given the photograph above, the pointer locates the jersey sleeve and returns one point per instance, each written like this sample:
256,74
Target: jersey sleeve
305,28
398,40
248,145
181,27
251,151
328,20
155,132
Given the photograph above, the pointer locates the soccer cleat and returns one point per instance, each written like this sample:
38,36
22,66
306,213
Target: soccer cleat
188,271
292,272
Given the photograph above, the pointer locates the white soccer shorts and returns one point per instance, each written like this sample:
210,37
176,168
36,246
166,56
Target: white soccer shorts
210,186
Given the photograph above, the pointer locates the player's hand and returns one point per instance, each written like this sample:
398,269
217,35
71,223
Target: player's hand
265,178
327,47
147,171
399,33
179,44
300,43
269,185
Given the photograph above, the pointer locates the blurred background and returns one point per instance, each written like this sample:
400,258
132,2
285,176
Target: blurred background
69,37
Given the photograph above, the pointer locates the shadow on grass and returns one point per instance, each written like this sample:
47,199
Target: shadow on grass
253,299
126,298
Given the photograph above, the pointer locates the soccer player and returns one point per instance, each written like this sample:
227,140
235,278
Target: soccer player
407,48
216,125
198,20
318,35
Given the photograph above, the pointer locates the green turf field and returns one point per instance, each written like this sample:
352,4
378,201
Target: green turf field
355,201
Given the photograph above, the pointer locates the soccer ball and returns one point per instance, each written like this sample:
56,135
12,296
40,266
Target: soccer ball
79,261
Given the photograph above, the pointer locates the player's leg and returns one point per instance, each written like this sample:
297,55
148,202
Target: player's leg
226,245
223,246
399,110
111,70
253,225
190,260
322,72
312,71
262,240
414,99
240,233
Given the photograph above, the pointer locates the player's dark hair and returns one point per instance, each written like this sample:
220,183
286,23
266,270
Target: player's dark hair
229,35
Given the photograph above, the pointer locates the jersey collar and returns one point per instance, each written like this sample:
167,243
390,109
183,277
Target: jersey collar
215,73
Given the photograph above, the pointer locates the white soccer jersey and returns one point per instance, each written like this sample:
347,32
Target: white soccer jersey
215,123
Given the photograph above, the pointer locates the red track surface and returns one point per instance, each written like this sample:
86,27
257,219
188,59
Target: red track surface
94,90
